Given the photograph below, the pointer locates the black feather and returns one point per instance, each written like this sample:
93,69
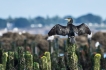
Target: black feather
83,29
59,30
69,30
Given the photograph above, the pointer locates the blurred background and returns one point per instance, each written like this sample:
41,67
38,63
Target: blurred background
38,17
24,27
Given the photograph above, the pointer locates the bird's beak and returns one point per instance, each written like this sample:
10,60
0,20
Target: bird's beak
68,20
65,19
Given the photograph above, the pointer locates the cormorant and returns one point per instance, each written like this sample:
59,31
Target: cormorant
70,29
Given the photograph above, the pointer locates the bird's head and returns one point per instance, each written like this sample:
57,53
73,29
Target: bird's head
69,20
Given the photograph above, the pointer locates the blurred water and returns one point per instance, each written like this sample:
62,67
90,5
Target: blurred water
45,29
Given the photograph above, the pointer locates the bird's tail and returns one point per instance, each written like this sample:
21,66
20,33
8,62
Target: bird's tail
72,39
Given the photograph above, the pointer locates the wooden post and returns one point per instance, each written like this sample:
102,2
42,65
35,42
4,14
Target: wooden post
72,61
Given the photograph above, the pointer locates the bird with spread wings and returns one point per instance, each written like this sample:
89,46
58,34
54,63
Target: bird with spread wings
70,29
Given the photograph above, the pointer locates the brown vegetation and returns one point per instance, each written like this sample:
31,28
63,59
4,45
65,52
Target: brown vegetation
42,43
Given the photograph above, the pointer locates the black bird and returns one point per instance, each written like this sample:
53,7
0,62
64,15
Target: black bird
70,29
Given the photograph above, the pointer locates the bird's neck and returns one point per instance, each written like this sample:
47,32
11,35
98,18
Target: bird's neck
70,22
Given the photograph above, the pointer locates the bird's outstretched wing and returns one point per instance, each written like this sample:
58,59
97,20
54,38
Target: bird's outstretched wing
59,30
83,29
